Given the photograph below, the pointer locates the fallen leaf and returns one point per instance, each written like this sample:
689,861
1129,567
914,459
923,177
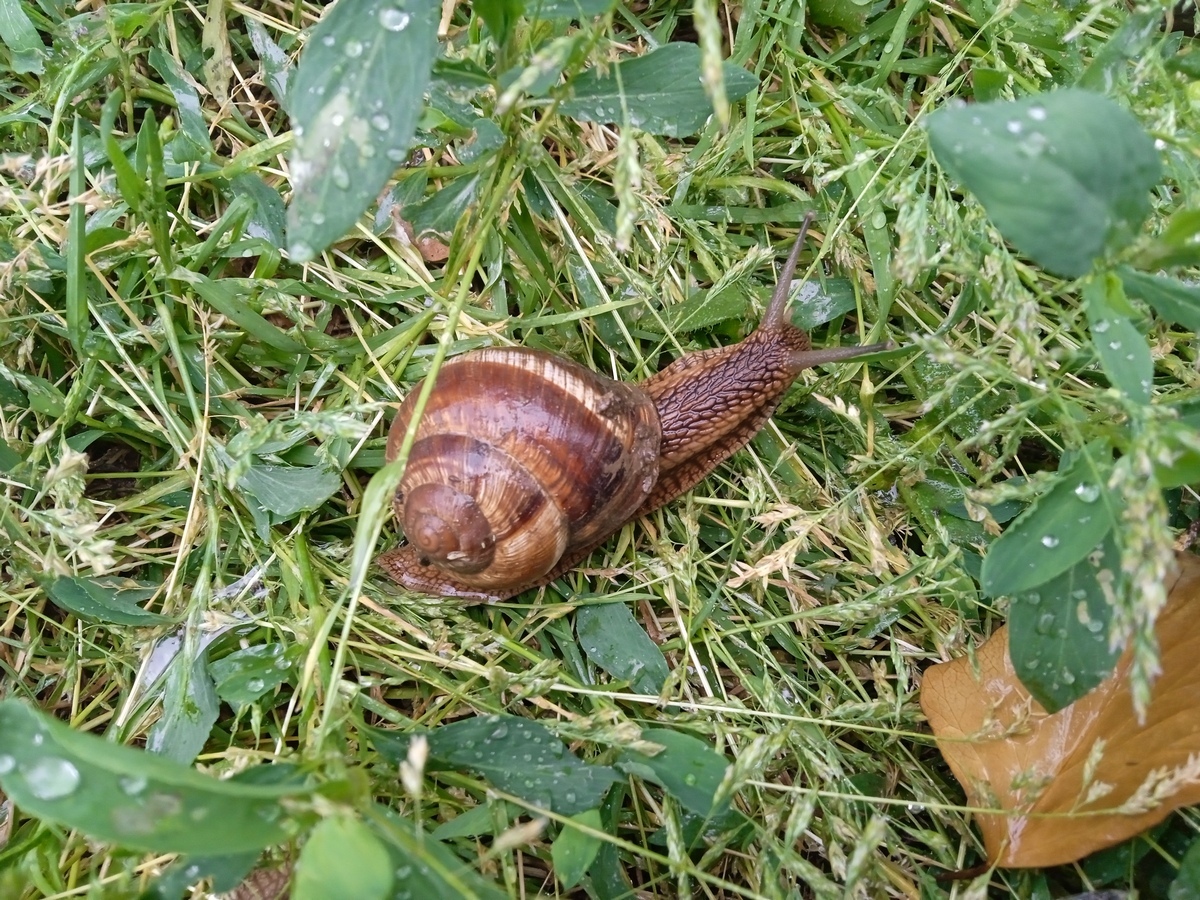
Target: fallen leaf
1060,786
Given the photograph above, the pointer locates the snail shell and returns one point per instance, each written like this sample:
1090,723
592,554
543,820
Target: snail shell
521,458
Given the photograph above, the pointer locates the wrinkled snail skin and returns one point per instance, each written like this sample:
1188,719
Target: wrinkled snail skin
563,457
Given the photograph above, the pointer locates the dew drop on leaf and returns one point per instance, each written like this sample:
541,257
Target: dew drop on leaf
50,778
1037,113
394,19
1049,541
1014,126
353,49
132,785
1087,493
7,763
381,122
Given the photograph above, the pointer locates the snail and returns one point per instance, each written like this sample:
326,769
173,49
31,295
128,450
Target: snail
524,462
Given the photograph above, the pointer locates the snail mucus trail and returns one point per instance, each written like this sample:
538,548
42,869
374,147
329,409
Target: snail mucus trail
524,462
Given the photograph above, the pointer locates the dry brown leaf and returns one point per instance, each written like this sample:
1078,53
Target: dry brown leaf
1089,775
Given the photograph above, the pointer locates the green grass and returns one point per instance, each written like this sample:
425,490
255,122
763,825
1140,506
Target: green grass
796,595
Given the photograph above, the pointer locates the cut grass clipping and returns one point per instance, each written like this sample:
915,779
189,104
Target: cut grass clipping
233,236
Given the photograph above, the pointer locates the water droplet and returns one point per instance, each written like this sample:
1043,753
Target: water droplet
50,778
1045,623
39,739
317,218
329,40
394,19
501,731
1095,626
1033,598
268,813
1114,345
1037,113
1032,664
879,220
132,784
1068,677
395,154
353,49
7,763
301,250
889,47
1087,493
1049,541
690,779
1014,126
341,178
254,685
1101,326
380,122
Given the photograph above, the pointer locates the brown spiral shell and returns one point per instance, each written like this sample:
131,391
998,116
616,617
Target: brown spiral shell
521,458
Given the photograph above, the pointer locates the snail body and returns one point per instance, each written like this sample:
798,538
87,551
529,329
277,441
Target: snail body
524,462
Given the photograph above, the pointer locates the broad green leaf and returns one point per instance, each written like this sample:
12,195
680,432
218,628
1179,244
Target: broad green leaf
342,858
1178,245
816,303
568,9
614,641
517,755
1169,297
9,458
474,822
1132,39
130,797
277,65
21,38
288,490
225,872
193,142
25,391
661,91
104,600
1123,351
267,220
1186,885
1058,632
425,867
1057,531
190,709
1179,463
573,850
245,675
688,769
500,16
355,100
1064,175
441,211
